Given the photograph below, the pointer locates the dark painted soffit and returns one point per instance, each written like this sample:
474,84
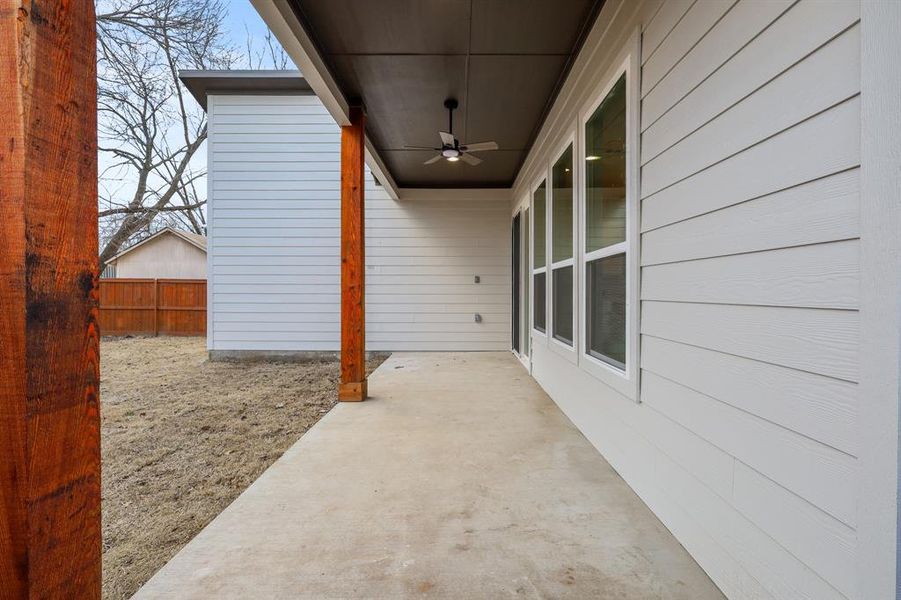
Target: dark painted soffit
245,82
504,60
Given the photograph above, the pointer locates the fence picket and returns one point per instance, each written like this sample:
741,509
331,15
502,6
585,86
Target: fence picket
153,307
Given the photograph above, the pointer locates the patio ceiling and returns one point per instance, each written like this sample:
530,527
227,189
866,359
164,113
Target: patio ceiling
503,60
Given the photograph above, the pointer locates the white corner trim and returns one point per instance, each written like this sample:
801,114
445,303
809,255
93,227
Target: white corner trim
880,301
210,224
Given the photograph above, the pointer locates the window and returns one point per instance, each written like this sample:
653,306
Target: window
606,245
606,320
563,304
539,258
562,247
526,293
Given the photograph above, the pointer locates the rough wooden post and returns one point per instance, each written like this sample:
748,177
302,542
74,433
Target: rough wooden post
49,368
353,262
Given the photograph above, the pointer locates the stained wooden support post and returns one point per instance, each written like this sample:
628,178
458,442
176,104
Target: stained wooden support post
49,343
353,261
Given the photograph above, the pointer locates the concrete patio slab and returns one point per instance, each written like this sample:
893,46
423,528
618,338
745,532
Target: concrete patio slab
459,478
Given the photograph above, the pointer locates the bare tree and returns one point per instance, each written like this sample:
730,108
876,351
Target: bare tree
270,56
149,132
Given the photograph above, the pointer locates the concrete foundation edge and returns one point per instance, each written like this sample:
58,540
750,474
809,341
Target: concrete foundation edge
286,356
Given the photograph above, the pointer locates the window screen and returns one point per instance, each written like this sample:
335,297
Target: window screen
540,289
605,285
563,304
539,203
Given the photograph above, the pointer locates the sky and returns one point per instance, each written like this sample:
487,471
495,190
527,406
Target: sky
243,18
241,13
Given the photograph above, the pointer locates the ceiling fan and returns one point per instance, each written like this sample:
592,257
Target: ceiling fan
451,149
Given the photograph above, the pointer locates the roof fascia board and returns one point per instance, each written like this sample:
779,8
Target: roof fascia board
452,194
188,239
280,18
380,171
159,233
202,84
139,244
292,74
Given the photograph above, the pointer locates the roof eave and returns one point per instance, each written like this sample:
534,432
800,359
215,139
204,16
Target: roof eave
283,23
202,84
159,233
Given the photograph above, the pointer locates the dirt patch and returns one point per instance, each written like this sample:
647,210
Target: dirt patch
183,437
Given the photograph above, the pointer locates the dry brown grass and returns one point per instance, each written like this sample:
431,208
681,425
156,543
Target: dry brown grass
182,437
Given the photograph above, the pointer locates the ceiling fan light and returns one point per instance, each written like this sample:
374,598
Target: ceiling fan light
450,152
454,158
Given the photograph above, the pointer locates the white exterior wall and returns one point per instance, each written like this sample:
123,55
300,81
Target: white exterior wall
165,257
422,255
744,439
274,219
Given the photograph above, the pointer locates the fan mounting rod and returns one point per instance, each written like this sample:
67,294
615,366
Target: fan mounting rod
451,149
450,104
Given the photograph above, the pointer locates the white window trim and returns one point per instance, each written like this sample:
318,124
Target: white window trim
625,381
526,285
568,351
526,329
541,335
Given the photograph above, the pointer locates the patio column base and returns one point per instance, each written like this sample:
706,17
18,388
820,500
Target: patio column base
354,391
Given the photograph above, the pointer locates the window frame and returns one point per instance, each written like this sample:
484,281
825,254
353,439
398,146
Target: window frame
625,381
542,335
524,210
568,351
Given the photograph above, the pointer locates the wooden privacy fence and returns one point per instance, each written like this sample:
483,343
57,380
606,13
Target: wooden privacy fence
153,306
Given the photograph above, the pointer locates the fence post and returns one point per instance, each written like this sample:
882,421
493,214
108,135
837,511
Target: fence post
156,307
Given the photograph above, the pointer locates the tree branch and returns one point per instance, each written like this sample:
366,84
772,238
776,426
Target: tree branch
127,210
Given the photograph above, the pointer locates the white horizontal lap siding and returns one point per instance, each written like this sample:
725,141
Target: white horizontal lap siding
745,441
275,265
751,270
168,256
274,280
423,253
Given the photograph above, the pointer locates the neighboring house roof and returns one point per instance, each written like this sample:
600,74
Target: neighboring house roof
195,239
245,82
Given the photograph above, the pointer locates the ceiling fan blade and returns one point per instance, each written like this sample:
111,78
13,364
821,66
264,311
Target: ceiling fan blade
469,159
447,139
433,160
479,147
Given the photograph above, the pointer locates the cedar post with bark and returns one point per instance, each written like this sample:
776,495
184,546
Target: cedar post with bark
50,536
